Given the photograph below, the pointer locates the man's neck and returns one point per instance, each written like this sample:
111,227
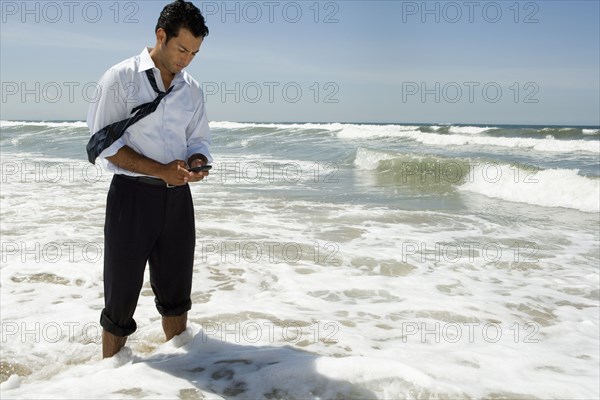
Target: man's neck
166,76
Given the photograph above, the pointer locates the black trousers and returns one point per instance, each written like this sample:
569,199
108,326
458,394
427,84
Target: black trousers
151,224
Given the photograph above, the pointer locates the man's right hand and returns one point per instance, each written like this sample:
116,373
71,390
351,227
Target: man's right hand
175,173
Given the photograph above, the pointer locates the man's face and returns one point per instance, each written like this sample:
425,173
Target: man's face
179,51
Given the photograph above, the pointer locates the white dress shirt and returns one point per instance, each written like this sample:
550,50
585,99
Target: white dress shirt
176,130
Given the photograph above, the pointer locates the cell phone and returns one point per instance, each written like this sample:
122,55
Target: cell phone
200,169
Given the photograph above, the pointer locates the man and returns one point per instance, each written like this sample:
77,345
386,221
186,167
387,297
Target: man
149,210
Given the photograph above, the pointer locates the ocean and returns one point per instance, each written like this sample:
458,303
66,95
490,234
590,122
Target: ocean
333,261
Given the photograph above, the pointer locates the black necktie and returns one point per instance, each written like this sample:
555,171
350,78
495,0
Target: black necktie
110,133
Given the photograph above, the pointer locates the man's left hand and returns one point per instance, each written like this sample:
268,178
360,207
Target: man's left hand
197,176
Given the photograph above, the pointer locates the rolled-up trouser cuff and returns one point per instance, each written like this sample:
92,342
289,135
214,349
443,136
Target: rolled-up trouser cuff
115,329
173,311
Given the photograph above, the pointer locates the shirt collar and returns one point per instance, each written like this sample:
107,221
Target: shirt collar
146,63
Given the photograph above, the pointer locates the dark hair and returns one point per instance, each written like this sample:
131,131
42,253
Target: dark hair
181,14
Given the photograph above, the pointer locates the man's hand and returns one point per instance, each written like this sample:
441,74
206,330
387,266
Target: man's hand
175,173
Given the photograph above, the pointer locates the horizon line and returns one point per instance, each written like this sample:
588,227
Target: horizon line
354,122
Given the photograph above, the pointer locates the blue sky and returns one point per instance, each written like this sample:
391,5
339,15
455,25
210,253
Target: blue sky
526,62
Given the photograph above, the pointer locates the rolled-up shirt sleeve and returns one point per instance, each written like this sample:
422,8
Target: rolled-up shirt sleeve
107,107
198,133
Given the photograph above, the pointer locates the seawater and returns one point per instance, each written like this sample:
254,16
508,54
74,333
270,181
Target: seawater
408,260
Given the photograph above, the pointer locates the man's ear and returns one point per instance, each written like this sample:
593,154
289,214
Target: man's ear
161,36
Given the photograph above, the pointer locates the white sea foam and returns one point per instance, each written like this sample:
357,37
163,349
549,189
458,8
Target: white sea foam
229,124
380,322
374,131
548,145
590,131
310,296
563,129
11,124
350,131
471,130
242,125
369,159
549,188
